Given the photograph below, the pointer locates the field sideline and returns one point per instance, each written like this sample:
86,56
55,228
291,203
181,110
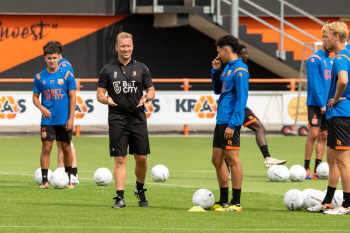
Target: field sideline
87,207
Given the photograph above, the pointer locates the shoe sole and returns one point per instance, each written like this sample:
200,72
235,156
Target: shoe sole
117,207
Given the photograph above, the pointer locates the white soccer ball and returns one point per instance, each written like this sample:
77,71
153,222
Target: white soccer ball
62,169
337,200
314,197
278,173
203,198
297,173
38,177
293,200
304,194
160,173
102,176
322,170
59,179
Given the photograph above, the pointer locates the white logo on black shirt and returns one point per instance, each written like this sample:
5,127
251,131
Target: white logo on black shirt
126,87
115,74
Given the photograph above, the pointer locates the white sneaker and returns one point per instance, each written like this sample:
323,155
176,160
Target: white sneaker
74,179
338,210
269,161
320,208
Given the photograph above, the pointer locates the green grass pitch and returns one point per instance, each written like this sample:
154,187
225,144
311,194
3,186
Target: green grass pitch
87,207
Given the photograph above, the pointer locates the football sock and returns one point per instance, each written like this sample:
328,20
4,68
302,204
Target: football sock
68,171
120,193
346,200
265,151
329,196
223,195
139,186
317,162
236,197
228,167
44,175
307,164
74,171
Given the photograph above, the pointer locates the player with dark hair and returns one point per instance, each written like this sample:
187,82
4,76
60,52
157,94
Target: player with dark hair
252,122
318,80
64,63
57,106
232,84
124,80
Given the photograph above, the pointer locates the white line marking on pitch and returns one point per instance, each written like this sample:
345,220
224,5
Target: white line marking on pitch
163,228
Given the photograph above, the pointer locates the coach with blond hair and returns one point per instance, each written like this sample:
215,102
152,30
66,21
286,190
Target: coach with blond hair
124,80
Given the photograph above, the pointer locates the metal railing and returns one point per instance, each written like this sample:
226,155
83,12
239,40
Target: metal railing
215,10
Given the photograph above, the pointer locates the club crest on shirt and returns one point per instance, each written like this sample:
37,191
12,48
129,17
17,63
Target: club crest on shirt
228,73
134,74
117,88
240,74
44,82
115,74
60,81
314,121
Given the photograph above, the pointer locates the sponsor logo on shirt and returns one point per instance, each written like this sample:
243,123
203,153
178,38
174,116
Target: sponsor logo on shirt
124,86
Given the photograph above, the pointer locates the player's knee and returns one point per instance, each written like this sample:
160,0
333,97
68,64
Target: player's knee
120,161
216,161
141,160
312,136
47,149
66,147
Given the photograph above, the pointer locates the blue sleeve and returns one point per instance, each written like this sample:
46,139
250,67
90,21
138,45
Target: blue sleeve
314,77
36,85
71,82
70,68
340,64
215,78
242,86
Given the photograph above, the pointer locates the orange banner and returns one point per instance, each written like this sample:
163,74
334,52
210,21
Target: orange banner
22,37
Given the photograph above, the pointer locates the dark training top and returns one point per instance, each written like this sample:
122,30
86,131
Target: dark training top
125,86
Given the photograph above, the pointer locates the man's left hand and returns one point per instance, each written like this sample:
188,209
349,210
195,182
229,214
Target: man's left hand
142,100
228,133
69,124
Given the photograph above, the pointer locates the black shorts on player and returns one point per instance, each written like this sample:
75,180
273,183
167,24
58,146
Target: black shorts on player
58,132
220,142
339,133
316,118
134,135
249,117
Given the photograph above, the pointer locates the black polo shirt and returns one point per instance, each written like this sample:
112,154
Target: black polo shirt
125,90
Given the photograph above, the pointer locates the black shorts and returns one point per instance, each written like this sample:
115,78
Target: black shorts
58,132
249,117
220,142
316,119
339,133
136,136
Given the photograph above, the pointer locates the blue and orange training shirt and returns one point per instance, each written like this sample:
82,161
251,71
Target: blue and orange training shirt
54,88
318,78
342,108
233,94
